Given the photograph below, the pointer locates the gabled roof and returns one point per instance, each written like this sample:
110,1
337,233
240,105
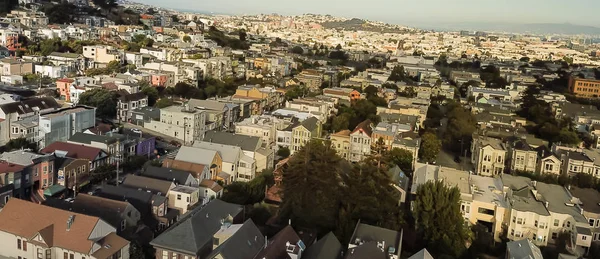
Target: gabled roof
193,168
167,174
155,186
423,254
364,127
230,154
73,150
193,232
247,143
106,209
276,245
245,243
210,184
22,218
196,155
310,124
328,247
370,236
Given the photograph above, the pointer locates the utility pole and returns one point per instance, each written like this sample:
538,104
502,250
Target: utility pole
118,157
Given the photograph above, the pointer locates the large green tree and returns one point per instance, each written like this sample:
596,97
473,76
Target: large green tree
311,186
460,128
400,157
430,147
152,94
397,74
104,100
438,219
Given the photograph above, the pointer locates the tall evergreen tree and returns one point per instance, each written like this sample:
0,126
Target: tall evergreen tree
438,218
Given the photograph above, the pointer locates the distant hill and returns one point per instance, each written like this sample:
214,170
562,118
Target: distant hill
534,28
356,24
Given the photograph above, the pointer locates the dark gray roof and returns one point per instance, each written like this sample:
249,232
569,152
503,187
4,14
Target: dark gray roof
141,200
522,145
366,250
167,174
193,232
367,235
310,124
133,97
155,186
590,198
276,245
245,243
247,143
328,247
26,106
523,249
149,112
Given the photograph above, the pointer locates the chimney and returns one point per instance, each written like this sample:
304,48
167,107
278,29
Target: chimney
70,221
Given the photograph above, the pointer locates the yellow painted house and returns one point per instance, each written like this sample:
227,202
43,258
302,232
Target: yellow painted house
303,133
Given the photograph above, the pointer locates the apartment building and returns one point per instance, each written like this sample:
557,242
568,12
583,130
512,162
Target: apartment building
218,115
237,166
101,55
588,88
251,146
127,103
262,126
303,133
488,155
576,160
60,125
541,212
30,230
343,94
63,86
360,141
267,98
15,67
311,78
180,122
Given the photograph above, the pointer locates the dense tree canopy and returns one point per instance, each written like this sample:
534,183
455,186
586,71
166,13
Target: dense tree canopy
460,128
430,147
358,112
324,192
438,219
152,94
104,100
397,74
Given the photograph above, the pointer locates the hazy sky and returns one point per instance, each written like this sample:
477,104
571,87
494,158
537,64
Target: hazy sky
583,12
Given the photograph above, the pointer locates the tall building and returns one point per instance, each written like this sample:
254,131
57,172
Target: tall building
589,88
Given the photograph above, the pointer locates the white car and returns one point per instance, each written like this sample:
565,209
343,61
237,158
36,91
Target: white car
137,131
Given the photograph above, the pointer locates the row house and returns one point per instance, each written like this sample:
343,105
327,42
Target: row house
94,157
252,147
488,155
39,169
360,141
311,78
577,160
72,61
118,146
25,111
182,72
217,113
127,103
262,126
347,95
59,233
303,133
267,98
11,67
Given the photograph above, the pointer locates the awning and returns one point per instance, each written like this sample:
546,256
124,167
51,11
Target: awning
53,190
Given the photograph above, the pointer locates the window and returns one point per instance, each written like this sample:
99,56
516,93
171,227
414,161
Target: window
178,197
48,253
19,244
556,222
512,232
40,254
72,256
66,255
554,235
583,238
592,221
123,224
188,199
519,221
